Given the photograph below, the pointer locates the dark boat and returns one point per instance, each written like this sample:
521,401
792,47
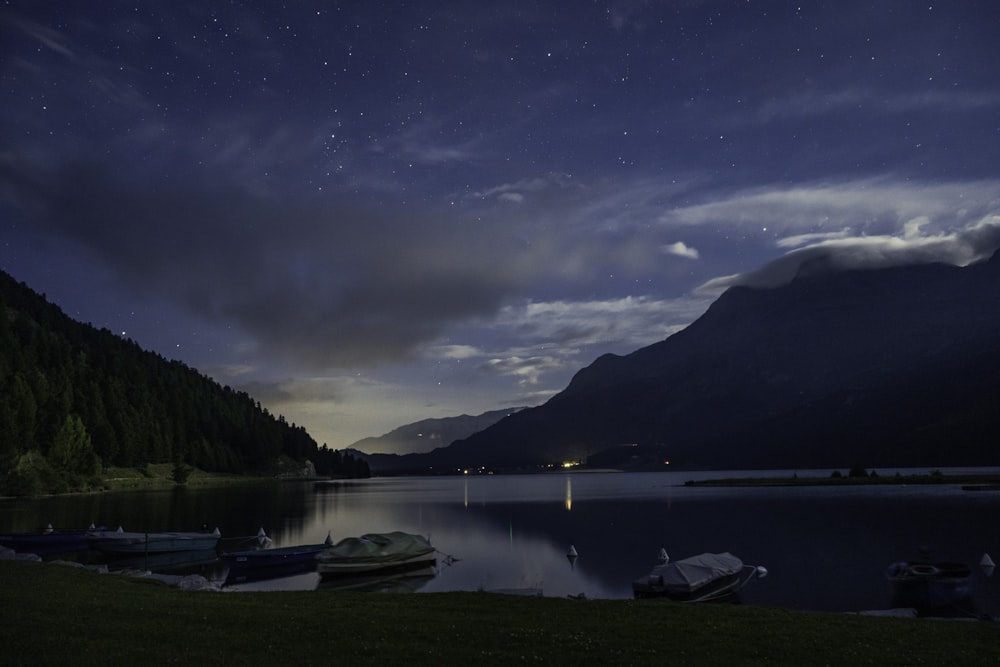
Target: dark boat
303,554
927,586
48,541
701,578
121,542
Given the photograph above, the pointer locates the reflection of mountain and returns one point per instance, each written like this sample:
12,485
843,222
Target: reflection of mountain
895,366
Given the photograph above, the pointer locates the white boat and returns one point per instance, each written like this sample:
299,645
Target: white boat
377,553
699,578
123,542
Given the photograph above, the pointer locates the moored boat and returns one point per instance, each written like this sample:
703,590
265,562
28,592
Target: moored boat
302,554
384,553
122,542
700,578
927,586
48,541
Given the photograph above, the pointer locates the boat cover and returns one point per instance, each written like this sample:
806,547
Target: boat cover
690,574
377,547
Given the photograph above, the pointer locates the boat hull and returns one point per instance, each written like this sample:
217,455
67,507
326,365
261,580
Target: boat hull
929,586
142,543
279,557
46,543
345,569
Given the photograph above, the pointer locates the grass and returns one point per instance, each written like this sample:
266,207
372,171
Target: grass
160,476
973,480
52,614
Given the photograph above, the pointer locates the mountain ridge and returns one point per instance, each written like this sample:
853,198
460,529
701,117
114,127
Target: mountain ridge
428,434
880,365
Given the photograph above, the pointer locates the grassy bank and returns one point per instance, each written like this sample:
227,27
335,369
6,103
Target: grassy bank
160,476
59,615
972,481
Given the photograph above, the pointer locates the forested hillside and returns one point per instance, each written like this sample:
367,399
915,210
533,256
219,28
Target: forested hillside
74,399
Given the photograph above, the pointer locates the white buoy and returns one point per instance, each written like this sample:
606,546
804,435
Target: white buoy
663,557
761,571
572,552
119,529
987,565
262,537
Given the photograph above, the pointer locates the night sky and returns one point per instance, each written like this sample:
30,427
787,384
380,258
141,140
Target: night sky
371,213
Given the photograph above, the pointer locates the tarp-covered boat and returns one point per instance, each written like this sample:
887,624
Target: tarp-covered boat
699,578
394,552
122,542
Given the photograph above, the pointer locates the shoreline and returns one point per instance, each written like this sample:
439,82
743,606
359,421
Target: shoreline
970,482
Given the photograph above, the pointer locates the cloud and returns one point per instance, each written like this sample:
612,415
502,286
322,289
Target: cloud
323,282
974,243
681,250
880,205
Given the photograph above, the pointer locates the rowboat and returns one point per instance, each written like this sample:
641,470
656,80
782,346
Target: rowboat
926,586
278,557
122,542
700,578
48,541
377,553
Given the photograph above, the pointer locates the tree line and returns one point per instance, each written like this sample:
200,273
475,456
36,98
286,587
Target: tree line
75,399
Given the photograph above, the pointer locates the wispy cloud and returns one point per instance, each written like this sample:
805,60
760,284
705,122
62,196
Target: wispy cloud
976,242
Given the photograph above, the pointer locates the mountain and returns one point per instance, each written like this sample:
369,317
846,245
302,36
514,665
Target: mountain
883,367
75,400
428,434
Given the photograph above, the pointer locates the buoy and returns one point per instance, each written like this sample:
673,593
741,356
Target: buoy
761,571
262,537
329,539
663,557
572,552
119,529
987,565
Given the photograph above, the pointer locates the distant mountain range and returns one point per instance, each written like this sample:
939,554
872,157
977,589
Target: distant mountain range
428,434
879,367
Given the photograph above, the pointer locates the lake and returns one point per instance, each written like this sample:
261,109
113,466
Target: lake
824,548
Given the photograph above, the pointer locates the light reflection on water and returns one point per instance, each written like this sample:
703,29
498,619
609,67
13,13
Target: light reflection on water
825,548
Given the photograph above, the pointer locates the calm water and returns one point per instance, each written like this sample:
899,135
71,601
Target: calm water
825,549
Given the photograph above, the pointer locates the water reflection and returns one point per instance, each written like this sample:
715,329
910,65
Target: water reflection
824,548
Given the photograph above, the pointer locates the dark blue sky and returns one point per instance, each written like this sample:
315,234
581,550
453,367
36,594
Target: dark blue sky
371,213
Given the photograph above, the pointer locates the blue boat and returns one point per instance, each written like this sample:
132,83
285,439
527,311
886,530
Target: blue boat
122,542
284,557
48,541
